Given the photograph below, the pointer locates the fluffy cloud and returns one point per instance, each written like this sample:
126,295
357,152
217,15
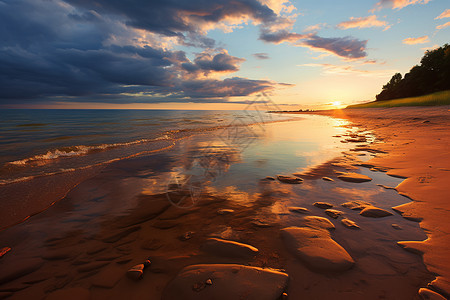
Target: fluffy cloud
280,31
80,50
363,22
346,47
113,51
179,16
413,41
445,14
230,87
207,63
398,4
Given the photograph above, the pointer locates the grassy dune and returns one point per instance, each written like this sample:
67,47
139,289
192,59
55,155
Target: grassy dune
439,98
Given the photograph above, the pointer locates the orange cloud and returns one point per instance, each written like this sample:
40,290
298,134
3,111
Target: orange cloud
370,21
398,4
445,14
314,28
420,40
331,69
439,27
430,47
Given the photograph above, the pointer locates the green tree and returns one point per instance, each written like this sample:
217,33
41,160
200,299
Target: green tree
432,75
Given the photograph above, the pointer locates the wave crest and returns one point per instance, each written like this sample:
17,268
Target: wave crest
78,151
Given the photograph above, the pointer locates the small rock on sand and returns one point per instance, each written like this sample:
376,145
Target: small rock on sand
187,236
440,285
327,179
230,281
147,263
289,179
396,226
75,293
297,209
386,187
354,177
261,223
316,222
317,249
349,224
412,246
225,211
229,248
226,233
428,294
356,205
136,272
4,250
323,205
334,213
269,178
375,212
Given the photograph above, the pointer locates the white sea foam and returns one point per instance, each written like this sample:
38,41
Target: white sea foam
79,150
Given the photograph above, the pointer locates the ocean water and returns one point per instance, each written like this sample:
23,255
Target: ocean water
68,187
45,142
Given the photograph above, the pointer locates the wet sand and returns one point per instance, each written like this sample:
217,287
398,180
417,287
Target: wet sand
417,145
238,215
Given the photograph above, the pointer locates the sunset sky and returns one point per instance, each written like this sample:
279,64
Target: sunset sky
200,54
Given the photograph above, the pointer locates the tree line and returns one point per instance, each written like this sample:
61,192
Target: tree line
432,75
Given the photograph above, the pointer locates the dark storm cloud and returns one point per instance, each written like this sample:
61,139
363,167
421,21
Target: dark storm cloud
173,18
50,49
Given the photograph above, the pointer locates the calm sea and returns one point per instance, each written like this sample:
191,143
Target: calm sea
44,142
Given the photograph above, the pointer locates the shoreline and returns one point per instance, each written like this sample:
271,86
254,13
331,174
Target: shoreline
119,218
417,142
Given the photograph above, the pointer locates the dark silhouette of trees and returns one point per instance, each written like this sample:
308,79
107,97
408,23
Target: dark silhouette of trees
432,75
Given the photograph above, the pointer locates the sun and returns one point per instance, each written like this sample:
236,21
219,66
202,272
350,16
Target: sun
336,103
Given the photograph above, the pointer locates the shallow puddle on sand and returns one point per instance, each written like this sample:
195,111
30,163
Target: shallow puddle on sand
217,171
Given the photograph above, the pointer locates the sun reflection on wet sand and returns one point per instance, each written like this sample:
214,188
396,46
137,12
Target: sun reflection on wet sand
166,206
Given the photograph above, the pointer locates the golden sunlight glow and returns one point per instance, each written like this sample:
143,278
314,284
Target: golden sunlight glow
336,104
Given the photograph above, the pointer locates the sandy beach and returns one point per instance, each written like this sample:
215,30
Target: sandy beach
261,224
417,143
